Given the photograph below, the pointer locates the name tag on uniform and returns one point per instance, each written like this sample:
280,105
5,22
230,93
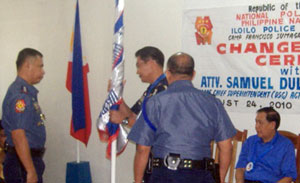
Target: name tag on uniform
249,166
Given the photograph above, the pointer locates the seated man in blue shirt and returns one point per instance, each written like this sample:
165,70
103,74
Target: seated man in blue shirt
267,157
179,124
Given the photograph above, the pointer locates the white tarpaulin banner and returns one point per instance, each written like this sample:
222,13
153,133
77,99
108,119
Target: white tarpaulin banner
248,56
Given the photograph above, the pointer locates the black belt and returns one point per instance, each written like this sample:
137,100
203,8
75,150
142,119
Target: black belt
184,164
39,153
252,181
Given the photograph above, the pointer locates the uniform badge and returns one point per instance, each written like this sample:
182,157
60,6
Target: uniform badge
37,107
153,93
43,117
40,123
20,106
249,166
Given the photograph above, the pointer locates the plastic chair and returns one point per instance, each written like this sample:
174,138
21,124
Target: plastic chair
239,137
296,141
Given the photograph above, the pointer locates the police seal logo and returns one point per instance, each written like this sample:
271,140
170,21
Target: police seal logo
20,106
249,166
203,32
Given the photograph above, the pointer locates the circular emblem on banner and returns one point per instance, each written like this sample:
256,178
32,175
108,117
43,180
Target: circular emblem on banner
203,30
249,166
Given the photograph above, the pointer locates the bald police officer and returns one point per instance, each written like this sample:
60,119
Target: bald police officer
179,124
23,121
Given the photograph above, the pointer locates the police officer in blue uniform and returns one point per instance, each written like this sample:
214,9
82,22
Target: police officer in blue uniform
150,62
23,122
177,125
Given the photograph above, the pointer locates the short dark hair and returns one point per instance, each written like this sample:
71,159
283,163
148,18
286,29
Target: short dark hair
181,63
24,54
272,115
150,52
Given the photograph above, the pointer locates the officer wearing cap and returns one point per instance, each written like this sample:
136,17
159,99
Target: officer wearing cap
179,123
23,121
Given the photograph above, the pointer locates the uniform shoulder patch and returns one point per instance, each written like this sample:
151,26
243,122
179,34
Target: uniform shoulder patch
20,106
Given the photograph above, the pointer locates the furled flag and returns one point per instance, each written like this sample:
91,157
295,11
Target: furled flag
108,131
77,84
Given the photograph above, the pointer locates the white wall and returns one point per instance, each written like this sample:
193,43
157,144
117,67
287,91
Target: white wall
47,26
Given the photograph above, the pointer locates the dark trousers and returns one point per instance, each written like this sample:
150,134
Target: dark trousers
252,181
14,172
148,171
164,175
146,177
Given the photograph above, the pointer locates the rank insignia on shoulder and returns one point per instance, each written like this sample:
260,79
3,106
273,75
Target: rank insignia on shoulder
24,89
20,106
